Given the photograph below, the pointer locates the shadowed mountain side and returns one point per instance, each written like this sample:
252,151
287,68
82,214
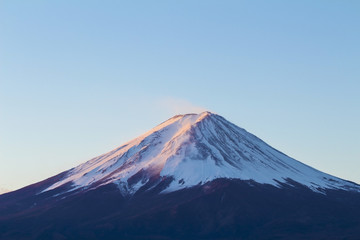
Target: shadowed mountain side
221,209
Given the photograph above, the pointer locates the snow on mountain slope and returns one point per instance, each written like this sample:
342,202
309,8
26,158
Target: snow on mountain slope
194,149
3,190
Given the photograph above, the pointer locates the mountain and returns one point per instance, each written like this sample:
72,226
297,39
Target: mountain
194,176
194,149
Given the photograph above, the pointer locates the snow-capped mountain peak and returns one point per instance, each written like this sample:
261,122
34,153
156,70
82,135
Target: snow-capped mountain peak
193,149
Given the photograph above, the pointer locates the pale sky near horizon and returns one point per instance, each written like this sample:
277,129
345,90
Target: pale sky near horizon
79,78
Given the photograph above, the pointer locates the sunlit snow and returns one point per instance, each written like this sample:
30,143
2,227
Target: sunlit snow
194,149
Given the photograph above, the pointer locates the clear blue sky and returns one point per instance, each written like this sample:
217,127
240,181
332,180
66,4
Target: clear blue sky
78,78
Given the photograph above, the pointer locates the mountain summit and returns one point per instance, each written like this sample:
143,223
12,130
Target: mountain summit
194,176
193,149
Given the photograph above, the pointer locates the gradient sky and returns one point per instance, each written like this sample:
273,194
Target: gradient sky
79,78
